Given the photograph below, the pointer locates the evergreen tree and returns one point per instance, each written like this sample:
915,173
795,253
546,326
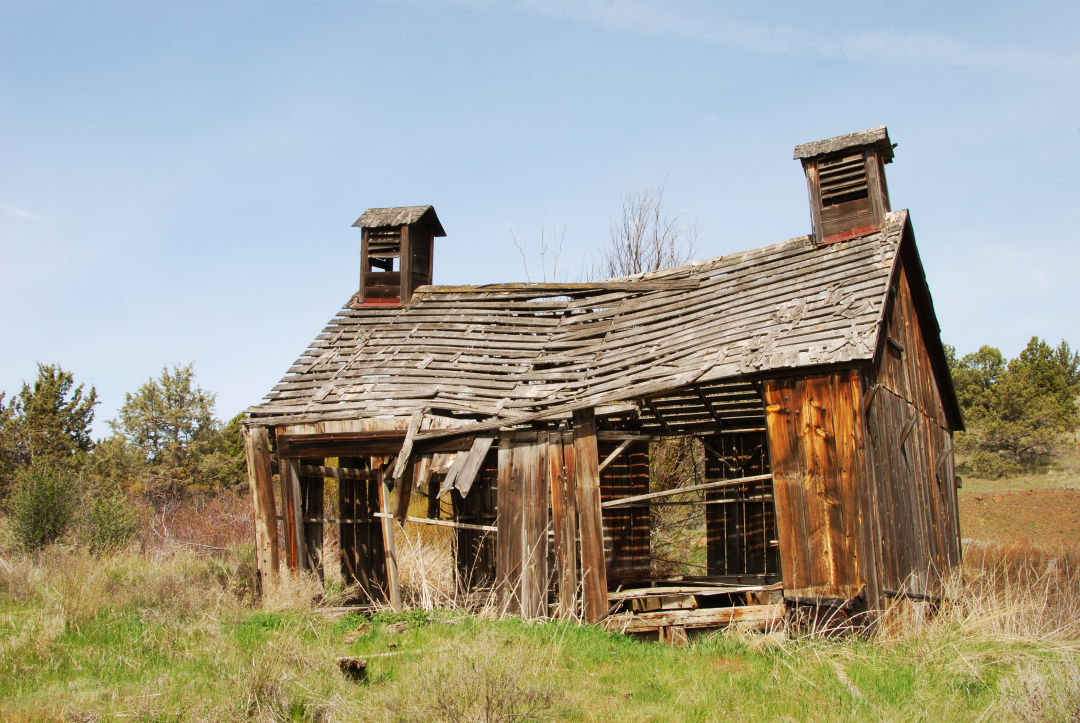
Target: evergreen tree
50,420
178,444
1017,412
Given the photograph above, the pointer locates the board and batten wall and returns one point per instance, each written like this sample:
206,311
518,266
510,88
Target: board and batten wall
863,472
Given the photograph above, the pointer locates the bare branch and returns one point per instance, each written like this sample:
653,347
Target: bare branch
646,237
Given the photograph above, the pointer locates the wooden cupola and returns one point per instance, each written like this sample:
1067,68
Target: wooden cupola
846,178
396,251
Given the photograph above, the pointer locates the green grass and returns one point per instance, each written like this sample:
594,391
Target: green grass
169,637
1063,471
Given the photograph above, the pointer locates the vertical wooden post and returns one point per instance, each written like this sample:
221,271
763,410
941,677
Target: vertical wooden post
257,450
561,474
590,517
534,527
365,264
292,513
508,522
405,264
388,546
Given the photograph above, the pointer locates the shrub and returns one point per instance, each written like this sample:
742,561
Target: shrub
43,506
108,521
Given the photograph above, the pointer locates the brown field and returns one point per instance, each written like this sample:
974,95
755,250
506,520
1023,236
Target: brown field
1042,517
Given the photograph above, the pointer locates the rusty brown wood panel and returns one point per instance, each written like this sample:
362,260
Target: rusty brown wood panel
849,428
816,505
590,517
783,418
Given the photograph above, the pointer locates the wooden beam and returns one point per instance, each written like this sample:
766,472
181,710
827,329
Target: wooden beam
310,470
756,615
388,548
508,537
289,476
590,518
443,523
623,501
257,451
561,475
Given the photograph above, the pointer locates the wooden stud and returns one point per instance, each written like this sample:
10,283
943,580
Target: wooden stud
564,520
292,507
257,451
590,516
388,547
508,522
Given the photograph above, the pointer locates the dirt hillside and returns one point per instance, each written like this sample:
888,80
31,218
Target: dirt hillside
1044,517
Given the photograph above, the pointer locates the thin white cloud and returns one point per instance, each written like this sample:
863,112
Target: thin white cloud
889,46
21,213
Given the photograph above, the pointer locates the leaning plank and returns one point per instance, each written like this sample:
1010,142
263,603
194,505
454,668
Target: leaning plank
590,519
624,501
388,547
257,450
643,592
407,445
452,474
615,453
423,471
473,461
443,523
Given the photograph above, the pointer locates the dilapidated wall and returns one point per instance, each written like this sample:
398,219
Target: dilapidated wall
909,460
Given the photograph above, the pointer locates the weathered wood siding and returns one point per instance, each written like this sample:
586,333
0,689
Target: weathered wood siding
909,459
521,551
815,443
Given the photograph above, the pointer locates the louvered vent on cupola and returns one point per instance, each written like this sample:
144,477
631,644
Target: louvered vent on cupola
396,252
846,179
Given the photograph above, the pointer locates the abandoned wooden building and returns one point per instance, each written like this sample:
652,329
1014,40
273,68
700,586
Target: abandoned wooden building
810,374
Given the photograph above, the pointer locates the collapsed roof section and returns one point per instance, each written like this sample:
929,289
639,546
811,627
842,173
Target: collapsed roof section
513,353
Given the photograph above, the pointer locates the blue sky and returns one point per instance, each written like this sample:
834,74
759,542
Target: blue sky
178,180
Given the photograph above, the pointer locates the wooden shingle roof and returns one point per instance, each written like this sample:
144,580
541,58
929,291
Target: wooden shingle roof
399,216
510,352
877,136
